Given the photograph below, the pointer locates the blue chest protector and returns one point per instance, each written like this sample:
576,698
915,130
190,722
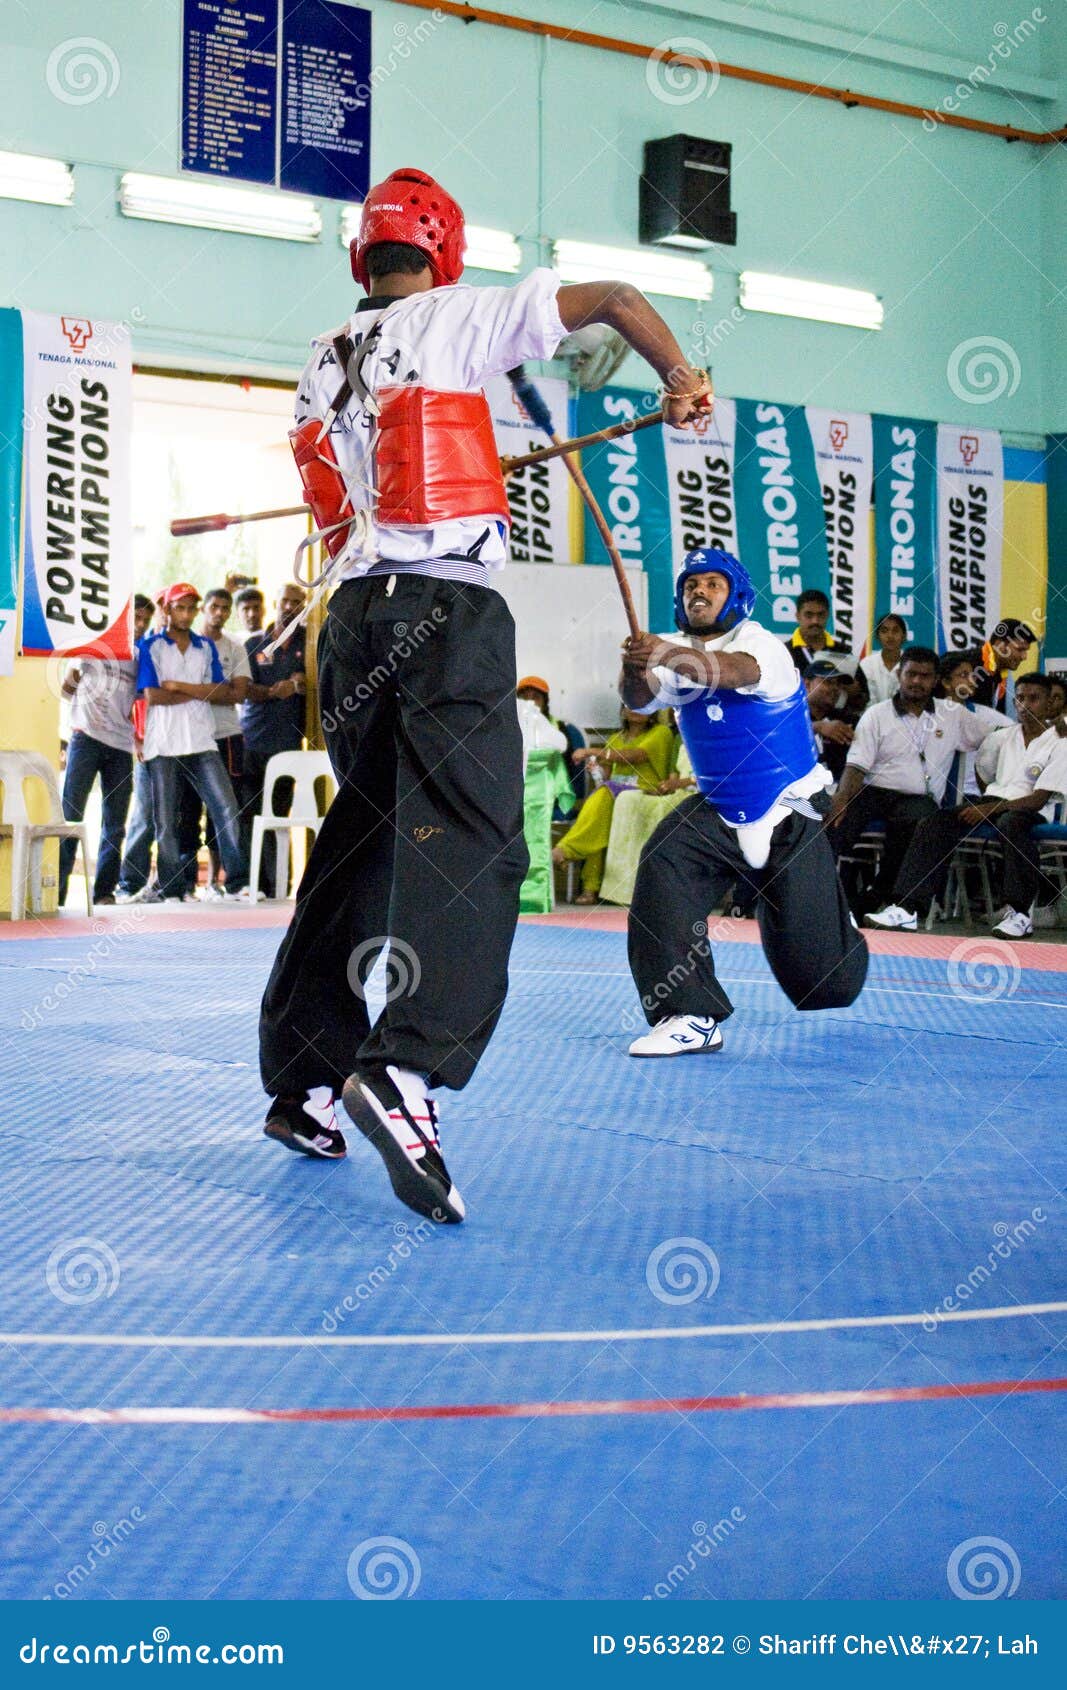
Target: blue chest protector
745,751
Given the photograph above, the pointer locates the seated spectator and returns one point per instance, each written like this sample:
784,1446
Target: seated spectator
180,676
881,668
1057,696
810,638
899,762
639,755
229,740
101,745
1006,650
535,689
251,608
634,820
831,719
1024,770
273,717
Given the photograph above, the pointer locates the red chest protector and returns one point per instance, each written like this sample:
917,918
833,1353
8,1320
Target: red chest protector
435,458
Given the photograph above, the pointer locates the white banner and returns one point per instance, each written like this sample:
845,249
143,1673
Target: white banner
844,460
700,482
78,555
970,533
539,495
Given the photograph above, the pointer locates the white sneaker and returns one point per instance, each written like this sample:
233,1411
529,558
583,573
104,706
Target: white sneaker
679,1035
130,897
1044,915
1016,925
893,916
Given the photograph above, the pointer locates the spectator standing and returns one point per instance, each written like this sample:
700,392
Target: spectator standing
100,746
881,668
181,676
534,688
900,759
1006,650
251,608
233,659
1024,768
272,718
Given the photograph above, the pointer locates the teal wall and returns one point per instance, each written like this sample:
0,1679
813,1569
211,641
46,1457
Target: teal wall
957,232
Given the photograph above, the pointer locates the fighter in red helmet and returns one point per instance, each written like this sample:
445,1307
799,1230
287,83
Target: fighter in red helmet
423,845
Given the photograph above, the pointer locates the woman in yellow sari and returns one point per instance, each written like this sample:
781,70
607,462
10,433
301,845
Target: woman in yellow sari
639,755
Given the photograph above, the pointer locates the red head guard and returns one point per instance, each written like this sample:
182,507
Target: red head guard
410,207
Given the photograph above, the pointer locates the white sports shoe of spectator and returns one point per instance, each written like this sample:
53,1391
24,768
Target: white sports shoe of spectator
894,916
679,1035
1016,925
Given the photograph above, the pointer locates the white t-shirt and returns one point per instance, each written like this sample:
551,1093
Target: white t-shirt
900,752
102,704
1013,769
178,730
882,683
234,660
451,339
778,680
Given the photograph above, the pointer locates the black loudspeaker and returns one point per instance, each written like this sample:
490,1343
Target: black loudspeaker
685,193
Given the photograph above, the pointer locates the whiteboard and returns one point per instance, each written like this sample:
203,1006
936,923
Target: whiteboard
569,628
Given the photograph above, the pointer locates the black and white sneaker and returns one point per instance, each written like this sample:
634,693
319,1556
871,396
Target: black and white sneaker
308,1126
679,1035
406,1139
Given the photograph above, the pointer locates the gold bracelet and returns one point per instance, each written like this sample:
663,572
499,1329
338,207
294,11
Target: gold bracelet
670,393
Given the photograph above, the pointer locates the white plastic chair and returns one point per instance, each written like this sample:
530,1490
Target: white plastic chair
303,768
28,837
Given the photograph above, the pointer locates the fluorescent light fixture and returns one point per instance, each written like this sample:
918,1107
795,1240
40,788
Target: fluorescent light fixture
788,296
45,181
486,249
205,205
652,272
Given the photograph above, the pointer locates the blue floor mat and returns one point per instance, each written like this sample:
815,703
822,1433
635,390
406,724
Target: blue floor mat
902,1156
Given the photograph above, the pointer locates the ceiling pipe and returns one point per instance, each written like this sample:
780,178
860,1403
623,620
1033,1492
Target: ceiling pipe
741,73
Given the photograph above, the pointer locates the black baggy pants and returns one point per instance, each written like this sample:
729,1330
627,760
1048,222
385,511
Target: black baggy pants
423,844
924,871
901,813
817,956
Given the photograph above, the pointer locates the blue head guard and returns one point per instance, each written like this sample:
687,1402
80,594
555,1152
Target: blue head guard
741,602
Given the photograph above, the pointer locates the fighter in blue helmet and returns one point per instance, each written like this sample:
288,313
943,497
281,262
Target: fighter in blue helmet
755,819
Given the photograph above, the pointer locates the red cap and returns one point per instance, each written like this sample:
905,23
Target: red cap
180,590
410,207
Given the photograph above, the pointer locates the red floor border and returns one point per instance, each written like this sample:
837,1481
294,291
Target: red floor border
525,1410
